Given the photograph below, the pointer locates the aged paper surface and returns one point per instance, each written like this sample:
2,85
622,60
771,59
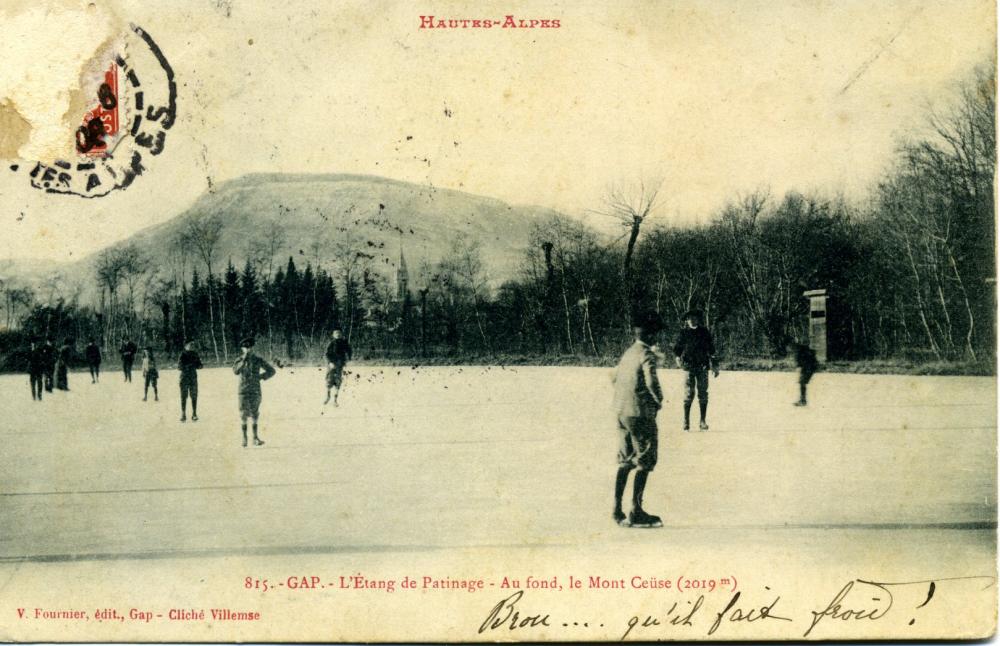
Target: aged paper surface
439,224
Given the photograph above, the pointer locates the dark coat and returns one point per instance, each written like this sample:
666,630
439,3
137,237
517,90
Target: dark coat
93,354
36,361
189,364
252,370
695,348
339,351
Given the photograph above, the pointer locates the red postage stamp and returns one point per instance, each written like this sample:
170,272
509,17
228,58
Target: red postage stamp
100,123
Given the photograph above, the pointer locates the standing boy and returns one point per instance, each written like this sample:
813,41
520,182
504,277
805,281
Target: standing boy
805,359
637,400
338,352
189,364
251,369
36,369
128,351
150,374
93,356
694,353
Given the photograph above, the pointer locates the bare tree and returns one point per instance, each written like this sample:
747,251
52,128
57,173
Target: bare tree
133,265
937,207
467,267
16,295
204,234
261,253
630,204
109,278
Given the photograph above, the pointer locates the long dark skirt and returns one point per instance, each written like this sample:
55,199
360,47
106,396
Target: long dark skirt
62,376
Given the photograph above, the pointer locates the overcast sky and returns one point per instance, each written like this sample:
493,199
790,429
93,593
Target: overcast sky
716,97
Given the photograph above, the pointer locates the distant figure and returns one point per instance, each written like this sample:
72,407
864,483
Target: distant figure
128,351
48,353
149,374
637,400
189,364
93,356
62,365
36,370
694,353
805,359
251,369
338,352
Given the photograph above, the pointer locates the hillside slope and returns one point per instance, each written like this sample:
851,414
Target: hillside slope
316,215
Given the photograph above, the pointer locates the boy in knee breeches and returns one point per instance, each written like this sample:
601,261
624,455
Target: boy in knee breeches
694,353
637,400
150,374
188,364
251,369
338,352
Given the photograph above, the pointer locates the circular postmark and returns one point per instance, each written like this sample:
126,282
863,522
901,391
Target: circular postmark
133,107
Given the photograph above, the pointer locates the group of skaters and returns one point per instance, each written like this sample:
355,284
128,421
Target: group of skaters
48,367
638,398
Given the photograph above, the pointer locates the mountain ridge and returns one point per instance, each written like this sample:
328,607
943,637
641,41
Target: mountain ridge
317,216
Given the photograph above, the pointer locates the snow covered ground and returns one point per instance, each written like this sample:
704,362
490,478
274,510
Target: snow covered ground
514,462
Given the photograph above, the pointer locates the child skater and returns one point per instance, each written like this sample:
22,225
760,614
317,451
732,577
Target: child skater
150,374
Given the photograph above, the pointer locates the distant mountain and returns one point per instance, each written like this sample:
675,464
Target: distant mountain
315,214
29,270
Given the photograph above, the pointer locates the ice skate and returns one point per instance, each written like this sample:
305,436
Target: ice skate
194,418
639,519
258,442
619,517
703,425
244,442
801,402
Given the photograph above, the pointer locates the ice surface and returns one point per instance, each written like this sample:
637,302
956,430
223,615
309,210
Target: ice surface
465,457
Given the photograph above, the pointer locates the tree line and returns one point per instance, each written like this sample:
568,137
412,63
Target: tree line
909,270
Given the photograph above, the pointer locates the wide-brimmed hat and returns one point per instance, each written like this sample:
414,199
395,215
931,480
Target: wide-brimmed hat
247,342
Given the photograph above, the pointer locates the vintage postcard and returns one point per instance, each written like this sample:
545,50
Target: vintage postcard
497,321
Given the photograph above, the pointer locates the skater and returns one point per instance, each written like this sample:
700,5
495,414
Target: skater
338,352
128,351
150,374
637,400
805,359
93,356
48,353
189,364
251,369
694,353
62,365
36,370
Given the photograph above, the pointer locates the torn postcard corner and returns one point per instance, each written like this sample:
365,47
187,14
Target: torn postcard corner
55,80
